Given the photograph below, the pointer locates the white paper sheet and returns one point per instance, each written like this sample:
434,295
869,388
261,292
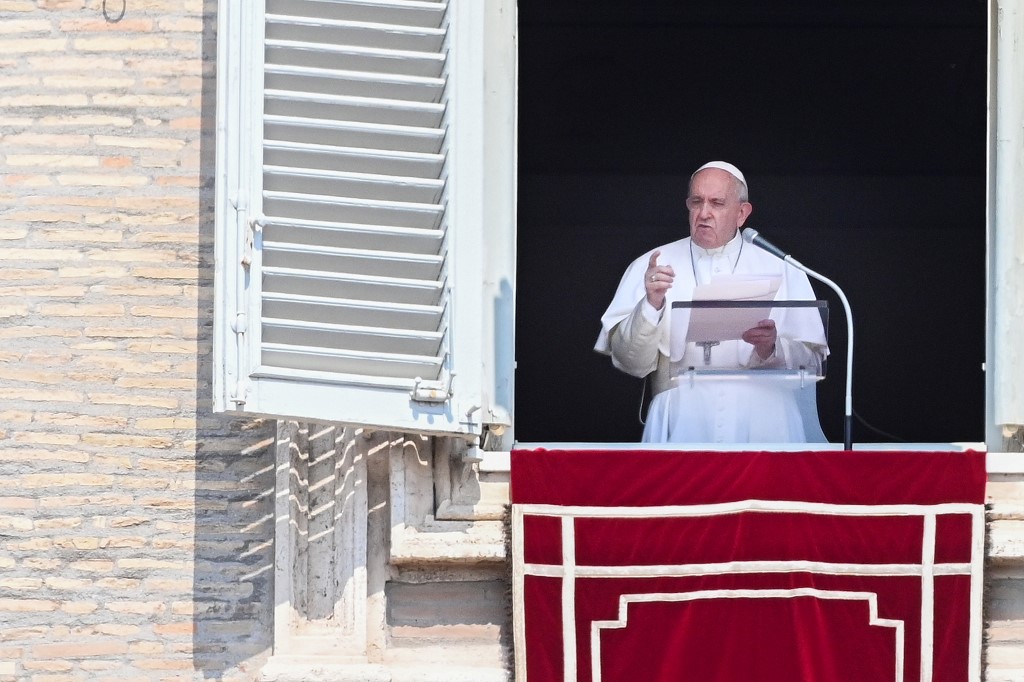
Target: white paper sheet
724,323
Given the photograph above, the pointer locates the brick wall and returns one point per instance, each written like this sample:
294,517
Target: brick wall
135,526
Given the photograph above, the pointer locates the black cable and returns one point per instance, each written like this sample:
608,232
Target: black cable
880,432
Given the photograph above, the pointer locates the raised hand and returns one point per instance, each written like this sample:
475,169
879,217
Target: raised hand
657,281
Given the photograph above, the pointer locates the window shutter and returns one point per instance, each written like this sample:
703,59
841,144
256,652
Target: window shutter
365,212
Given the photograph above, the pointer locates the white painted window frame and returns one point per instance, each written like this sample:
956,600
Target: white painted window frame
1005,329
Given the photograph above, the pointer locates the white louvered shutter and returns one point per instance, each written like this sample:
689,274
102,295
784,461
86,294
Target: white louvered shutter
365,212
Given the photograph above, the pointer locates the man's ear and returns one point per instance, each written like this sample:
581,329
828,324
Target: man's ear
745,210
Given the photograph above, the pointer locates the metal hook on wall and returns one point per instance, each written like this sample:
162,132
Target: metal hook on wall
119,17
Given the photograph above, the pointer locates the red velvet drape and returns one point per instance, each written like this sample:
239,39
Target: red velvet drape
737,566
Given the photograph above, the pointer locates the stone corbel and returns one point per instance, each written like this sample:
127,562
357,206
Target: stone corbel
445,507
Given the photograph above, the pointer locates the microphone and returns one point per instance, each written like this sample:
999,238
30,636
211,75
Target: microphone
752,236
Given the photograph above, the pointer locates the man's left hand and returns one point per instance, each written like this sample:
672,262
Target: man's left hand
762,338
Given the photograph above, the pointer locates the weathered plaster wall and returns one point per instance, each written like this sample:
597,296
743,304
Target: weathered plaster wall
1004,580
390,560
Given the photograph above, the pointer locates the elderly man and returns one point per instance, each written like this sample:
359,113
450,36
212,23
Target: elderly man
635,327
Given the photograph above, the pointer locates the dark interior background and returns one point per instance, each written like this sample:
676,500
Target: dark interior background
861,128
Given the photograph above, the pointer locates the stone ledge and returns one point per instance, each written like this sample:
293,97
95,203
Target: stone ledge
451,542
308,669
1006,541
292,669
448,511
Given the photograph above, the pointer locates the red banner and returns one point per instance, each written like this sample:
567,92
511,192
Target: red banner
739,566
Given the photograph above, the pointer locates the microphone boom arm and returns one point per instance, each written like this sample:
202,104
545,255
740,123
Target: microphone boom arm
752,236
848,414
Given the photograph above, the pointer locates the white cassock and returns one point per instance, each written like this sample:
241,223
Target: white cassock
636,336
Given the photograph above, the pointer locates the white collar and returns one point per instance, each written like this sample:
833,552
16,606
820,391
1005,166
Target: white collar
730,248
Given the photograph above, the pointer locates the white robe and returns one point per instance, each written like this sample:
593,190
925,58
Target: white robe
714,411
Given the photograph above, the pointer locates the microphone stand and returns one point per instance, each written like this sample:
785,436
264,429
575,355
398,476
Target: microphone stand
848,414
751,236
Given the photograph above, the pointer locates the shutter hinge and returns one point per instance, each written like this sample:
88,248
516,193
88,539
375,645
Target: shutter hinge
240,325
477,445
432,391
241,393
254,225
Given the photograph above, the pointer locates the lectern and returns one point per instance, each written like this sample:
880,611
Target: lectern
705,349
